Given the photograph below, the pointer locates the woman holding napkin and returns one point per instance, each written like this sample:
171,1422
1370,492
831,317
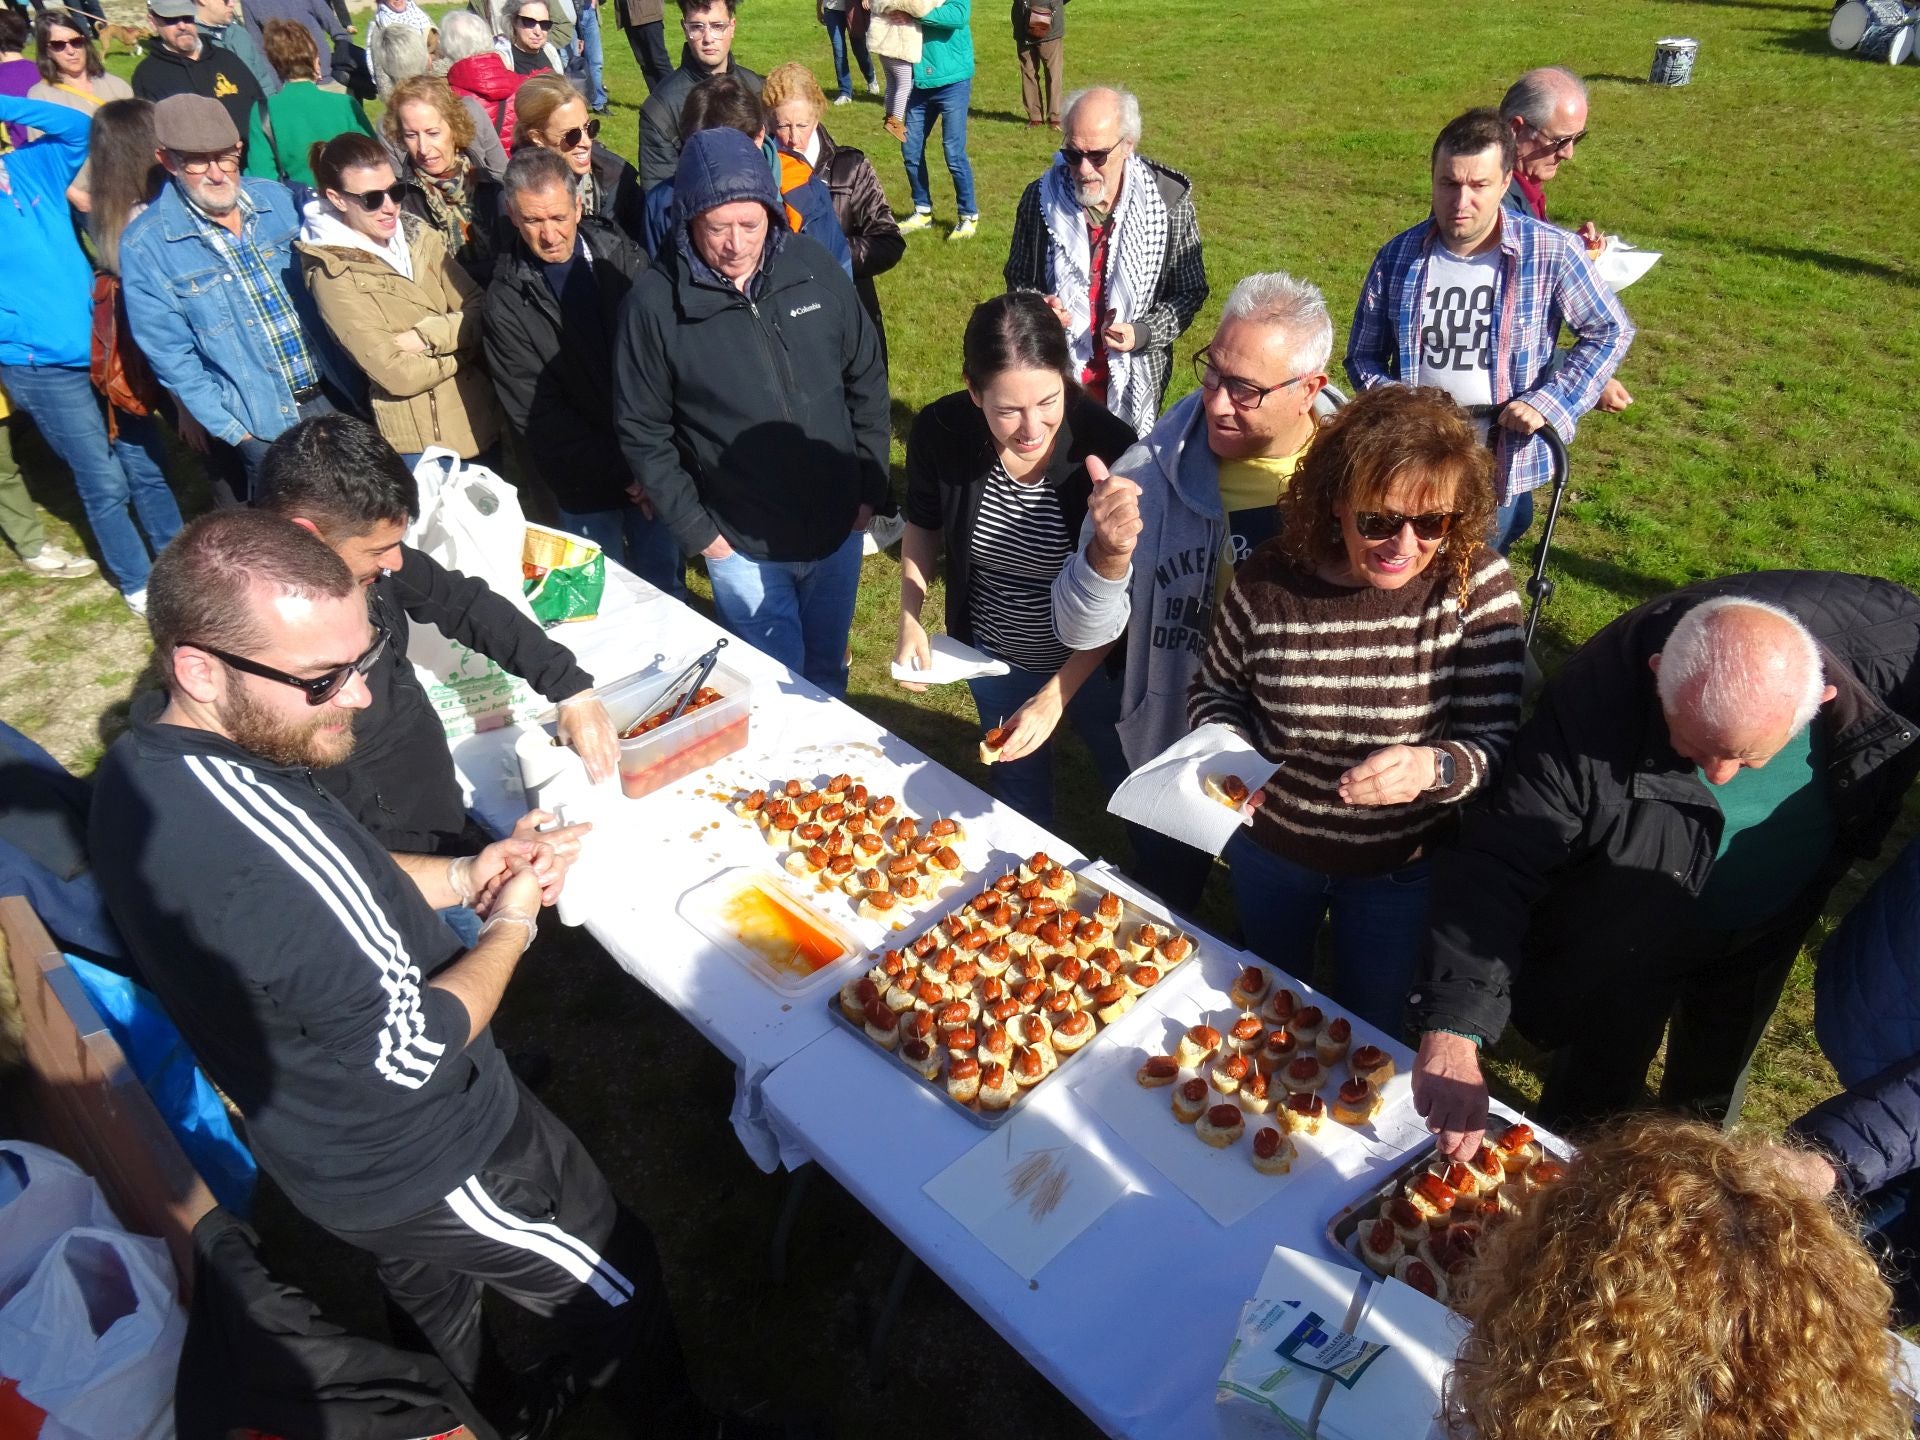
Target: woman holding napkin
1373,650
998,477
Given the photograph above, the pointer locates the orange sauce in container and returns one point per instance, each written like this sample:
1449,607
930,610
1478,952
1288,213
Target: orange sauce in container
779,934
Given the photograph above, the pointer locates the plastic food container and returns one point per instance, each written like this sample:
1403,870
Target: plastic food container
778,938
698,738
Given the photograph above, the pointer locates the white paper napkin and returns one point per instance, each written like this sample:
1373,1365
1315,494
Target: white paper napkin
1620,264
1029,1189
1400,1392
952,661
1257,1382
1167,793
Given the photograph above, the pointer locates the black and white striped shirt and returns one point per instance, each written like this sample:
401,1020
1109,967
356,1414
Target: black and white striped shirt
1020,542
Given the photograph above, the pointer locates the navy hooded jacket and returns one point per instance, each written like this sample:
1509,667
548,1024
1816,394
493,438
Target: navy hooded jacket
760,416
1867,1019
812,200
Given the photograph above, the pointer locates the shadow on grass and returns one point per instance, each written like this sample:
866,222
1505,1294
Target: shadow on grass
1827,260
1601,77
1807,42
1782,7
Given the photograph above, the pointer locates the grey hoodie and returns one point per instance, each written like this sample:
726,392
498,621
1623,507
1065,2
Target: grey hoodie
1165,603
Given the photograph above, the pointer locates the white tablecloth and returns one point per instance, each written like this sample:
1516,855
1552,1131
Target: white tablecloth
673,843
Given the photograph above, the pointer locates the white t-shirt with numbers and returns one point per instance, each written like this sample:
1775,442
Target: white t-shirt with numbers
1456,325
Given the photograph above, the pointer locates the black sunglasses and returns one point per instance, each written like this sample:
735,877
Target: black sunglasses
1560,142
533,24
1095,158
75,44
373,199
571,138
1384,525
319,689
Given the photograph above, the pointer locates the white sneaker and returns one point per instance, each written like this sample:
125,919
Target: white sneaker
874,87
136,601
843,99
57,564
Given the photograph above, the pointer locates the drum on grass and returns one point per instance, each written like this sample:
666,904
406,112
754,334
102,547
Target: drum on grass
1673,61
1887,43
1853,20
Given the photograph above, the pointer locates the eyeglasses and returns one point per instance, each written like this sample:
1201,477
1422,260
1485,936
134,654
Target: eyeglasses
1095,158
74,44
570,138
201,164
1241,394
1384,524
1559,142
374,199
695,27
319,689
527,22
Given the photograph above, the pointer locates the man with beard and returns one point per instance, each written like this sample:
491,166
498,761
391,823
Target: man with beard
308,971
335,476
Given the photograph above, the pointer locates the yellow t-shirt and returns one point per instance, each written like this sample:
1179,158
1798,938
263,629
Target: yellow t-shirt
1249,489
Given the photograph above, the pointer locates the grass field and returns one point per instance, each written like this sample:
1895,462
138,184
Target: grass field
1773,427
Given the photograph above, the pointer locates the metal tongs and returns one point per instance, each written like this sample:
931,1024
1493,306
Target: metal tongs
692,678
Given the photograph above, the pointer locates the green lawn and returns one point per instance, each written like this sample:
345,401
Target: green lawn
1777,352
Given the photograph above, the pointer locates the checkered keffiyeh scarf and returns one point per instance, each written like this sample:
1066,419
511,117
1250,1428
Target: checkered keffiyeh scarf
1134,256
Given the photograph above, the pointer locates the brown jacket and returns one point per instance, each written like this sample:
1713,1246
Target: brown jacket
442,397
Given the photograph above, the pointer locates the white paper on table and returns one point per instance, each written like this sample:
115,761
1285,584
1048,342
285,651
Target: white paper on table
1620,264
1399,1394
951,661
1256,1381
1167,794
976,1191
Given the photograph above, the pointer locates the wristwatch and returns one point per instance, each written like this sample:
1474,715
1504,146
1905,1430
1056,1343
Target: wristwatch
1442,769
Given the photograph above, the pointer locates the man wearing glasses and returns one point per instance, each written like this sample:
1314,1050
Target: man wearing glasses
1110,237
709,28
1193,497
180,62
307,968
1472,300
1547,109
215,299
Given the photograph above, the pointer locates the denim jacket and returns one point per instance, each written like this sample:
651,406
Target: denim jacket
191,315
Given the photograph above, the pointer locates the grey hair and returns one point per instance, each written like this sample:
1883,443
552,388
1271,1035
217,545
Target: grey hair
534,167
463,34
1276,298
1731,672
511,12
1537,94
399,53
1129,108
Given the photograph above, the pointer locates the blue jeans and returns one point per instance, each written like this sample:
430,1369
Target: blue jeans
946,104
1379,925
108,475
798,611
1512,520
1027,783
836,21
644,546
586,24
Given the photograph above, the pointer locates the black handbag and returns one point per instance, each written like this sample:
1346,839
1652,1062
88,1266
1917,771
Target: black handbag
350,69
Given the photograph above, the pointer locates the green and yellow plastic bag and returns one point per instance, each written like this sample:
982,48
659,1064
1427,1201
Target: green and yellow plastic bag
564,575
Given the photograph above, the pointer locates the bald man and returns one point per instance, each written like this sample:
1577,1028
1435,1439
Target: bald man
1667,827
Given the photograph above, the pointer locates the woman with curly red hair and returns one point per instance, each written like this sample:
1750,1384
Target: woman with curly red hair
1680,1284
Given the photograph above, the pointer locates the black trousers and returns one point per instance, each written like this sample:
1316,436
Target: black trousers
649,45
1711,995
539,1224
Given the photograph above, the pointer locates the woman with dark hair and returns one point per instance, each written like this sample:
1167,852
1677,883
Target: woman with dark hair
398,303
1371,649
299,113
432,133
71,75
127,177
997,475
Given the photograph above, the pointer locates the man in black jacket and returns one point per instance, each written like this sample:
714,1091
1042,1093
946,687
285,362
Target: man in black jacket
708,26
307,970
335,476
552,309
180,62
750,398
1668,825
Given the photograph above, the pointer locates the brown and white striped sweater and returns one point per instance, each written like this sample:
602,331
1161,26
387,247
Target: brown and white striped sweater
1318,676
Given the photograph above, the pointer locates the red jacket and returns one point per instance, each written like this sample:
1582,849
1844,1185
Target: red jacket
487,78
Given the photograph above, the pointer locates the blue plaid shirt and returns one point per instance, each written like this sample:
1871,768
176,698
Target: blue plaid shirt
1544,280
279,321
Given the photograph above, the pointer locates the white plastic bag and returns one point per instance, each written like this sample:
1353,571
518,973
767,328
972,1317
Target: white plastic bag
94,1337
470,521
42,1196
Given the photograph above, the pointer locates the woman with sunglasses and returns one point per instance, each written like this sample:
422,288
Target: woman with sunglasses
398,304
299,113
72,75
441,161
1372,649
526,42
553,115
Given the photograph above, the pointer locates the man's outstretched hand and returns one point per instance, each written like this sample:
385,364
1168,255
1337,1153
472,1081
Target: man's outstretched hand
1450,1092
